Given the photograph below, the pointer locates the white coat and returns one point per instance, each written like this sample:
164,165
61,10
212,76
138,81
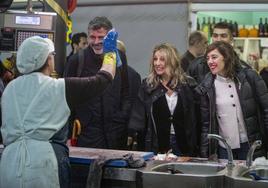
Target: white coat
34,108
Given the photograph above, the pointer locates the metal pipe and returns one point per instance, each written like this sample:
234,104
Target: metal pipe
29,6
60,40
135,2
228,148
255,145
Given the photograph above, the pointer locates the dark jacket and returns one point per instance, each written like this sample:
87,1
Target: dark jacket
264,75
186,60
253,97
198,69
134,80
142,118
104,118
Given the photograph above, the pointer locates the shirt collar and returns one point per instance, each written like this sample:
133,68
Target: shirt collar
223,79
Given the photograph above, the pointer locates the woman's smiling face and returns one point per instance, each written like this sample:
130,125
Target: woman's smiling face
160,64
215,62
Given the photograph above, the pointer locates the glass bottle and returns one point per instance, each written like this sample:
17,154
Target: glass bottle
205,27
235,29
212,25
213,22
265,28
203,23
198,24
261,28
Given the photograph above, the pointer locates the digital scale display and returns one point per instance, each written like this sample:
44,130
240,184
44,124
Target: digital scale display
28,20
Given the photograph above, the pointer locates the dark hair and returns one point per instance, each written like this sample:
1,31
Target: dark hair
2,69
77,37
195,37
224,25
100,22
227,51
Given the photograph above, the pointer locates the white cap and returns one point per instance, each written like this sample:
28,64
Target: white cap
32,53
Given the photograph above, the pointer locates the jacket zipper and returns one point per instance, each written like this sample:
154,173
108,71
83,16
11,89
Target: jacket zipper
152,117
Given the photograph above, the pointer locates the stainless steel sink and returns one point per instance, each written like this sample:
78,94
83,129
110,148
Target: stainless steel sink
257,173
190,168
242,177
181,174
159,174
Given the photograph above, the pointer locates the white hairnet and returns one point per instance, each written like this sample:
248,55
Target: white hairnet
32,53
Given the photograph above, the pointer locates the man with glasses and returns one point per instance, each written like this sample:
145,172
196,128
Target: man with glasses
222,31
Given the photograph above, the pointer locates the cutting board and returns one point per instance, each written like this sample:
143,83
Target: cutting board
87,155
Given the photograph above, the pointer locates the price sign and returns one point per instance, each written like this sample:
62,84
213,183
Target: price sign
264,42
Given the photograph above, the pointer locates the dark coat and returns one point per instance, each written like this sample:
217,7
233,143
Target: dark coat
198,69
142,119
134,80
104,118
253,97
264,75
186,60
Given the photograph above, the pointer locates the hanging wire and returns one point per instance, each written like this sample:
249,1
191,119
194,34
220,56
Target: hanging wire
43,4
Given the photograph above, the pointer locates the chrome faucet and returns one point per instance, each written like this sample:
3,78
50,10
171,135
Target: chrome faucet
255,145
228,148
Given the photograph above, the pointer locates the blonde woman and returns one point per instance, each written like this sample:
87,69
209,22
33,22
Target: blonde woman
164,111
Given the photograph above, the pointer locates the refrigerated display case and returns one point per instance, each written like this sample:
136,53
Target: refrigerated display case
250,27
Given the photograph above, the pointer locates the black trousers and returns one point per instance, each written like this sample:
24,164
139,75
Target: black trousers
64,168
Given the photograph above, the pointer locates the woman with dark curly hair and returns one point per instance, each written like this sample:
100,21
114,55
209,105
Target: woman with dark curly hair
234,104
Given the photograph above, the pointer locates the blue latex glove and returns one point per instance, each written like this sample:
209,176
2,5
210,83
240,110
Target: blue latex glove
110,45
255,176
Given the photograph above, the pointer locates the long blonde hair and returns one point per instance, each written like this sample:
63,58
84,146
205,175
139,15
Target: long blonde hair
173,61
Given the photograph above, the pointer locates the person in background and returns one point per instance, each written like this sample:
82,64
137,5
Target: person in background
165,109
134,77
134,80
222,31
264,75
79,41
35,109
103,119
197,45
234,113
6,75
